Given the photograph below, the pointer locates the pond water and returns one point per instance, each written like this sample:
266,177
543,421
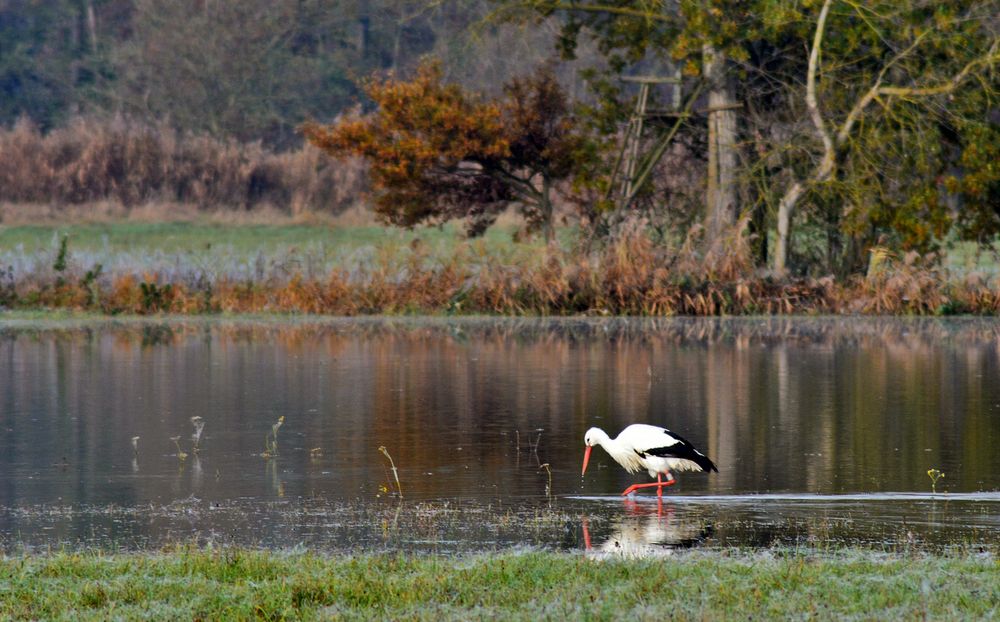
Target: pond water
823,430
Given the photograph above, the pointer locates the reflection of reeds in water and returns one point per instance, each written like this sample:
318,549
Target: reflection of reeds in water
135,454
747,384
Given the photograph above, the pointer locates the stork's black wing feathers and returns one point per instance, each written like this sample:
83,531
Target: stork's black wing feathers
684,450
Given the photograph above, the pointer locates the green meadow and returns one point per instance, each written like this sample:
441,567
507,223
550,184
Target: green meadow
181,237
243,584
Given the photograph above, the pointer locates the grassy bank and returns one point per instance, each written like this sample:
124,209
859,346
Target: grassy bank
101,241
143,268
232,584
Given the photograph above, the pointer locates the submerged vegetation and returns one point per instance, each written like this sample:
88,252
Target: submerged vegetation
243,584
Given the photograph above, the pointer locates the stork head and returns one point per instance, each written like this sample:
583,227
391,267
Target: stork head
590,439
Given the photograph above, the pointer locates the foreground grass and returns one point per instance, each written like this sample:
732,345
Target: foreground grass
239,584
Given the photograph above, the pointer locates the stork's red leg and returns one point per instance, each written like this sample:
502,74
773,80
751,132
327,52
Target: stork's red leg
659,489
635,487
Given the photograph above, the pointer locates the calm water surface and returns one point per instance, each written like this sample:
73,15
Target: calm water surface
823,430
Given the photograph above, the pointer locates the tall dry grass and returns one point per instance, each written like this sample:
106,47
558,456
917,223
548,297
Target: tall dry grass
94,160
631,275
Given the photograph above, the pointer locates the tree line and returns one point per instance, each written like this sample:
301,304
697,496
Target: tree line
829,127
248,69
825,128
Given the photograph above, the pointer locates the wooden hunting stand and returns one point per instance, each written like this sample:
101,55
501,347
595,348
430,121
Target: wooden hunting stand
633,167
628,174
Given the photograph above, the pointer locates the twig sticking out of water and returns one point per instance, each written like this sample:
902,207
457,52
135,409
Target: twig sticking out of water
395,473
271,440
548,487
534,446
199,426
180,453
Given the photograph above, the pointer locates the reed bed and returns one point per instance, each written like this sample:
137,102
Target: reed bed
129,163
629,276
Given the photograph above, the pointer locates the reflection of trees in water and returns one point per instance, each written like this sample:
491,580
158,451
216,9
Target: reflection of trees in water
779,404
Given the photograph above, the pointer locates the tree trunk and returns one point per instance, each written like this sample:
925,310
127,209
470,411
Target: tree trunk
545,203
720,196
785,207
91,26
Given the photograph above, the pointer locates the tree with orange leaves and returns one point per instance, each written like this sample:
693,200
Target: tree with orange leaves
437,152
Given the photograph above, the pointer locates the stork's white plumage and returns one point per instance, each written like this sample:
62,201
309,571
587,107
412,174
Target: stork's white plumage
651,448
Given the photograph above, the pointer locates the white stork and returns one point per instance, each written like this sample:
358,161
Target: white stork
651,448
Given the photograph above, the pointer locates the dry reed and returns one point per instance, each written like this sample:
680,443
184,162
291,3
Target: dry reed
129,163
631,275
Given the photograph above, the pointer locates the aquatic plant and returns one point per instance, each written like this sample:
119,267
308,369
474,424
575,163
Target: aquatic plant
395,473
935,475
181,455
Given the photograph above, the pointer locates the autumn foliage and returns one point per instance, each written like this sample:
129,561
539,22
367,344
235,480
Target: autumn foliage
438,152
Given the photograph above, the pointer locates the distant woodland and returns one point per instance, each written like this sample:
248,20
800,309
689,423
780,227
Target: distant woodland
250,70
828,133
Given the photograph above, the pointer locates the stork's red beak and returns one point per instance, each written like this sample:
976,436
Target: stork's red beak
586,459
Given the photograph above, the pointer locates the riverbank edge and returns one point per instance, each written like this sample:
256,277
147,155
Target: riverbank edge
46,318
193,583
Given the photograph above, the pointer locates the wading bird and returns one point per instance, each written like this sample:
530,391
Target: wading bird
648,447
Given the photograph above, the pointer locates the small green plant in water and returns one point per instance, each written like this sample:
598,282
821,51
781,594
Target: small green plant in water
392,465
180,453
935,475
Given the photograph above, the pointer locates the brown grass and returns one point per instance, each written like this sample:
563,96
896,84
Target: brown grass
629,276
122,164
